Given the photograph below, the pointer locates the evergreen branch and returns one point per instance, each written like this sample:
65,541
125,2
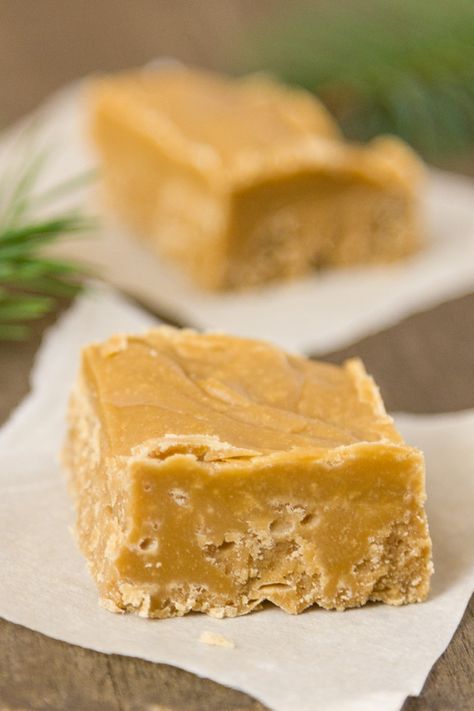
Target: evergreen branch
18,307
398,66
31,282
13,333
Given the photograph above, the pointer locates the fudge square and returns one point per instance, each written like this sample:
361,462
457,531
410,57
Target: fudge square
211,473
244,181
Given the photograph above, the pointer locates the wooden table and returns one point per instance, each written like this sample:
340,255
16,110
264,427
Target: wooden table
425,364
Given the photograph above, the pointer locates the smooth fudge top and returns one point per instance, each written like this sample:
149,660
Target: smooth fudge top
221,397
221,115
237,131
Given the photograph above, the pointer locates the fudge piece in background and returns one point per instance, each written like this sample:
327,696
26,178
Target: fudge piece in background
244,181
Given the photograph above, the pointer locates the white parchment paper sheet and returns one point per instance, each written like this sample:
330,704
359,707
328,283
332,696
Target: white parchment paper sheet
315,314
360,660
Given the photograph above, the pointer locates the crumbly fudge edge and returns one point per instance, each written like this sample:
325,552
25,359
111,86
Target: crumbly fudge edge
101,536
396,565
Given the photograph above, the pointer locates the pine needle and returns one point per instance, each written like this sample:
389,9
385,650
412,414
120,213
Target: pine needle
30,282
381,66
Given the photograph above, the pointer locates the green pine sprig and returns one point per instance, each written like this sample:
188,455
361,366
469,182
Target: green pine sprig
30,282
381,66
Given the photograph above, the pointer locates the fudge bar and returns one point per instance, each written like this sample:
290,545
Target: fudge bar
245,181
211,473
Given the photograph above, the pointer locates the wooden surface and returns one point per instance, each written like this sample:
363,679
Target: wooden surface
46,43
424,364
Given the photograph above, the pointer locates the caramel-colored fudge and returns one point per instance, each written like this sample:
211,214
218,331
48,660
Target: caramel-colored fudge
212,473
245,181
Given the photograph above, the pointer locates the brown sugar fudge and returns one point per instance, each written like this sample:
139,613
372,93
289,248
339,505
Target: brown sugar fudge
211,473
243,181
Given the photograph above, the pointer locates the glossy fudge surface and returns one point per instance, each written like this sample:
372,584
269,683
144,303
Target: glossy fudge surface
244,181
212,473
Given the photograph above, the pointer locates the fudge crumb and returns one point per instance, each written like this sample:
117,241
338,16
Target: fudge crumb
218,640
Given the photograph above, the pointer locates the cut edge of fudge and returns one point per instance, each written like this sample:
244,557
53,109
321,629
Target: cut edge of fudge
143,557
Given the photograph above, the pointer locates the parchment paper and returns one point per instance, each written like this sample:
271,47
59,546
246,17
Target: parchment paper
368,659
315,314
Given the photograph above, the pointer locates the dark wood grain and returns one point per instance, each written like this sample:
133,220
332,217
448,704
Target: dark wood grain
423,364
450,685
43,674
426,364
